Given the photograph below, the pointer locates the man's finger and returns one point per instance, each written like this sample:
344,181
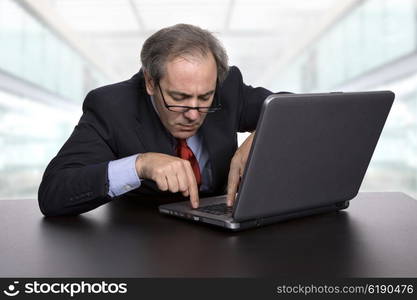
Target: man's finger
183,181
172,183
162,183
192,186
182,178
232,185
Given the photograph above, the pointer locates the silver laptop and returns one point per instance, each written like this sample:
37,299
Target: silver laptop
309,156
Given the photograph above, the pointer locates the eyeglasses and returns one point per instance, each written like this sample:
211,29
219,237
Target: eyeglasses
201,109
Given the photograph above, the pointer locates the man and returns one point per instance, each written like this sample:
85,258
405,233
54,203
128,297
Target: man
171,128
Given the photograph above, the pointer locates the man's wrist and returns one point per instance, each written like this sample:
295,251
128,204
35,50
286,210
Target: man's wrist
139,164
122,176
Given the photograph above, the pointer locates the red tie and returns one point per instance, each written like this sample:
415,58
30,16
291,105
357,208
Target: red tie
184,152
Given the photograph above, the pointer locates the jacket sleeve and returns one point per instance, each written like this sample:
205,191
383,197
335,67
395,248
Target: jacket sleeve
76,180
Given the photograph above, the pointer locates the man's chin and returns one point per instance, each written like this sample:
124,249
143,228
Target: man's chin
184,134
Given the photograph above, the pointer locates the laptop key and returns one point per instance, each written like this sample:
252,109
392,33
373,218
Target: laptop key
216,209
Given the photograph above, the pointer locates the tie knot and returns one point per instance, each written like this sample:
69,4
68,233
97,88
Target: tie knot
184,152
182,142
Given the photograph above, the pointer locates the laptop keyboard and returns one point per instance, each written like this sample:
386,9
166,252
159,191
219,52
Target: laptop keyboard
216,209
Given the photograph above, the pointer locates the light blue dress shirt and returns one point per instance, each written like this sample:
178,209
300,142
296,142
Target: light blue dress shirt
123,177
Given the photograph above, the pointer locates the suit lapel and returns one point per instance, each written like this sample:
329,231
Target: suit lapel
151,131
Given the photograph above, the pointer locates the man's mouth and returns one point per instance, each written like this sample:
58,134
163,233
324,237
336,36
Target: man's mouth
188,127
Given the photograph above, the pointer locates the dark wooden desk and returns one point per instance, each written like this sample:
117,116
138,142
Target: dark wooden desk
376,236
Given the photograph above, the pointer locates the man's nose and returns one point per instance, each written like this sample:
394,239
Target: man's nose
192,114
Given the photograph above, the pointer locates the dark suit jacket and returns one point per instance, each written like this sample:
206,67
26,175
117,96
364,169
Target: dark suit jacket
119,120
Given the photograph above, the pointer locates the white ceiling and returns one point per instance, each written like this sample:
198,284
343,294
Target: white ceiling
256,34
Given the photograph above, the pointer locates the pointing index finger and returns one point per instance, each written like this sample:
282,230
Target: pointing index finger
192,186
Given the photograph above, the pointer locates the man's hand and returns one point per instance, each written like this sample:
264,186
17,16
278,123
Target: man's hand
170,174
237,166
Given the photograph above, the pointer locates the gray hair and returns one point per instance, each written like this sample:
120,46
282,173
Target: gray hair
181,40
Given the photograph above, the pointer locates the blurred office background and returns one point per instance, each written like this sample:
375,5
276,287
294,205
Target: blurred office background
52,52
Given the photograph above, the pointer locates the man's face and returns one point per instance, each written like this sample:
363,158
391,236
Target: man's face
188,81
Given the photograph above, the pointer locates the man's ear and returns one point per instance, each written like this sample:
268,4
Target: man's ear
149,83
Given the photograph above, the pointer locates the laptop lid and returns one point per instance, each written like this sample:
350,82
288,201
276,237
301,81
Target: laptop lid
310,150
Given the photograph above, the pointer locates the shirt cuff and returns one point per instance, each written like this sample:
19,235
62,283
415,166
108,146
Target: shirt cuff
122,176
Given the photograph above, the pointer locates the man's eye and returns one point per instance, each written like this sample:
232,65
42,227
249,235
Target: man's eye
178,98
